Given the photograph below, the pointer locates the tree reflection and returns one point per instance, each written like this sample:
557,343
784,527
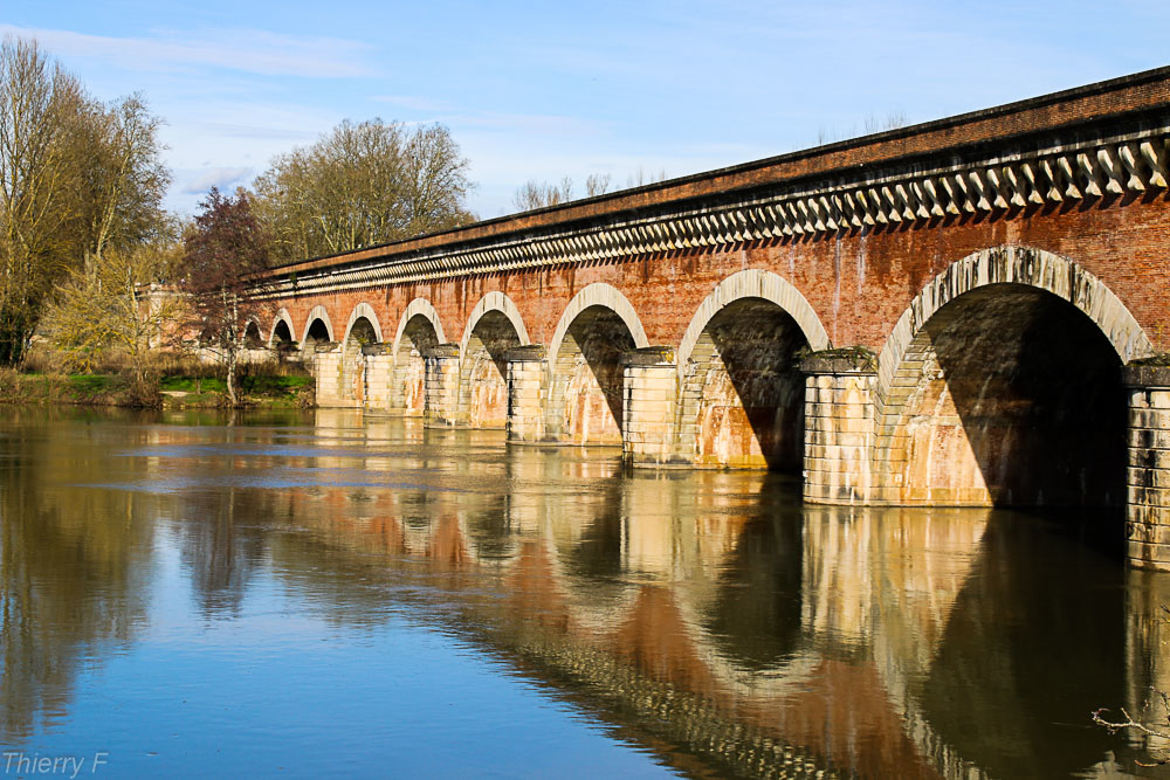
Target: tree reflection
74,562
223,542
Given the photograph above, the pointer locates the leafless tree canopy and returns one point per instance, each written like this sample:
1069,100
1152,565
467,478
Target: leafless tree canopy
538,195
360,185
77,179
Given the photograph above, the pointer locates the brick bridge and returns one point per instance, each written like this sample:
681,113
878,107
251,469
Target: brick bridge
970,311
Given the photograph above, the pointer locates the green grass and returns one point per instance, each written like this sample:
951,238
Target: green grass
187,384
93,383
261,385
267,385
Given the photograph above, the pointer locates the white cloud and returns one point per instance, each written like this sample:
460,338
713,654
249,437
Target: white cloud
251,51
199,182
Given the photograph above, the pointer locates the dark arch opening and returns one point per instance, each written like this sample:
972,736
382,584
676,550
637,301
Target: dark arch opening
281,334
743,395
1008,396
252,337
588,397
418,336
317,333
483,375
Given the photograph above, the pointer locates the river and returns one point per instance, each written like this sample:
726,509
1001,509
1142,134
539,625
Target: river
326,593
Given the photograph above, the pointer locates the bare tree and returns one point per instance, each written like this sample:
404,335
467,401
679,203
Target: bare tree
360,185
539,195
77,179
123,179
596,184
642,177
223,248
40,110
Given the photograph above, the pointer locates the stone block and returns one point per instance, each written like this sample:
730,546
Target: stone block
1150,418
860,440
1149,398
1148,477
1149,458
839,424
1144,532
1145,516
1149,438
1147,555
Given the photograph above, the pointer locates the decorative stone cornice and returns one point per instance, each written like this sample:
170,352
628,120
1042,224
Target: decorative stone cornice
1151,374
1052,169
649,356
529,353
845,360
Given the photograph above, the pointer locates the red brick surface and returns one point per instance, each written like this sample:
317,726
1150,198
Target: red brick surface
858,284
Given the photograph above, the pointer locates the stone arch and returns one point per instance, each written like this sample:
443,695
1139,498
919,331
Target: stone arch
755,283
586,401
278,335
494,301
419,307
318,328
419,329
1017,265
366,311
742,394
362,333
252,338
494,327
1001,385
606,296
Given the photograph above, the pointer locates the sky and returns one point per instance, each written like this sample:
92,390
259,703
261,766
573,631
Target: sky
544,90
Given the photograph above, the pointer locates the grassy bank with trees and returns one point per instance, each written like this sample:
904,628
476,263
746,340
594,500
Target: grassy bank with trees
106,298
171,382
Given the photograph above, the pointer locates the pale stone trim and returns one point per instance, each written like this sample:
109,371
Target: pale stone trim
494,301
754,283
363,309
318,312
597,294
414,308
1016,265
282,315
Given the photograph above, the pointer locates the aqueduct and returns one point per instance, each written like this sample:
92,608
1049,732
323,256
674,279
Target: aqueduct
971,311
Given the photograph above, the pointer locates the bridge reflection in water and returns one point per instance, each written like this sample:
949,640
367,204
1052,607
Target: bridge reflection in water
705,615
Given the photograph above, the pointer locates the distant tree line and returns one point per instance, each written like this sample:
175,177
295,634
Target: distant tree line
360,185
83,230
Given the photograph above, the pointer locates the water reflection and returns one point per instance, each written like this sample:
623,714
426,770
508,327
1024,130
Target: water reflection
73,588
707,615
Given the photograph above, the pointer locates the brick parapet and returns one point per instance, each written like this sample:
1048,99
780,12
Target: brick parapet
1103,102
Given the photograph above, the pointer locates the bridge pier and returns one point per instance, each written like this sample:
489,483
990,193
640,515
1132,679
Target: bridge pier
839,412
650,384
526,395
326,361
1148,472
379,372
441,386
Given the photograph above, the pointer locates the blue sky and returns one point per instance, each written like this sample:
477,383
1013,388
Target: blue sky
536,90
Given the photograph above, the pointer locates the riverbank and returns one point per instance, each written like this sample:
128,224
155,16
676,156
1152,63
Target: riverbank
167,392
